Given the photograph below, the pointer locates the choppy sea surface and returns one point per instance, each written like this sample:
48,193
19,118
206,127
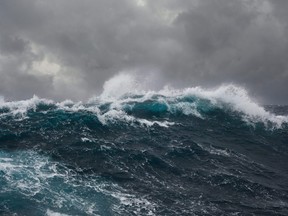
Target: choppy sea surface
170,152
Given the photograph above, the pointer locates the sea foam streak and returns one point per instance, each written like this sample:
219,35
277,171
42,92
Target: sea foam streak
32,175
123,93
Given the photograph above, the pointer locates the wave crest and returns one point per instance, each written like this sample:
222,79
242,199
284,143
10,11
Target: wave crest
142,107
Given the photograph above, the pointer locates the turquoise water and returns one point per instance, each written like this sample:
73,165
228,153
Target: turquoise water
156,153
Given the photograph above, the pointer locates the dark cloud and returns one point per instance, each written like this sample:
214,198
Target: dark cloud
67,49
229,41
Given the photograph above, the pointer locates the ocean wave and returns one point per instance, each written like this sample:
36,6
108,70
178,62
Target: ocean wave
141,152
135,106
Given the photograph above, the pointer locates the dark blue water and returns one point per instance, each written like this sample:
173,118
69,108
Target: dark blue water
185,154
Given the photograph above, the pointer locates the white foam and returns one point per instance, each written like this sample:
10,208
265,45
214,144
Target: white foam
215,151
230,96
85,139
114,116
119,85
126,90
29,173
237,99
141,205
52,213
20,108
187,108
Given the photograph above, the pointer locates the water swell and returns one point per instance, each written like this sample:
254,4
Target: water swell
133,152
155,108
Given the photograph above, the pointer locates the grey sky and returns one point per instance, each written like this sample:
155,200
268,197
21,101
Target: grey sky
68,48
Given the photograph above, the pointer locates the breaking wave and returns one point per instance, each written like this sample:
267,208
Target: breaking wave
124,101
132,151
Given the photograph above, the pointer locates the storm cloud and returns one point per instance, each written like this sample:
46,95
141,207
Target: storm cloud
68,48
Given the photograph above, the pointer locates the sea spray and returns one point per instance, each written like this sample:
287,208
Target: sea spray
134,151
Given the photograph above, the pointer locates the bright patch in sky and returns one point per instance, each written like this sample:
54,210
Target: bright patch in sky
46,67
141,3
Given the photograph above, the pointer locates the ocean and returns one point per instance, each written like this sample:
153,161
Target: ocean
191,151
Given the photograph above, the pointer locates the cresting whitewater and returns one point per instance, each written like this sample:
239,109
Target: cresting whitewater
133,152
